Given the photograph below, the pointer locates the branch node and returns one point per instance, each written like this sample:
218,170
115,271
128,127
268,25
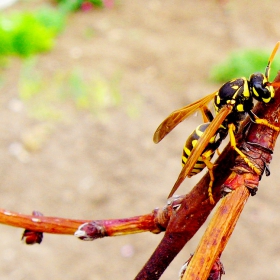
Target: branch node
90,231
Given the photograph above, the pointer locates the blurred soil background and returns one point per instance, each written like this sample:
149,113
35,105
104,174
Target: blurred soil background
95,158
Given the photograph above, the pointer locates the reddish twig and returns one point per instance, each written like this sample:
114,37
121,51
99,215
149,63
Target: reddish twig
216,271
40,224
217,234
155,222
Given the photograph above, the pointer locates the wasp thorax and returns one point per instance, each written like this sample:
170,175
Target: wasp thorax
260,88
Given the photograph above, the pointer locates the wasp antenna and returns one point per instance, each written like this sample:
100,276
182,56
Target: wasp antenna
271,58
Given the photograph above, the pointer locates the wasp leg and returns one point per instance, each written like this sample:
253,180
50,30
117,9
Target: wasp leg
205,157
265,122
206,114
218,152
231,129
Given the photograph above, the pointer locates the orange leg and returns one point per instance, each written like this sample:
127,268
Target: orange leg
210,167
266,123
231,129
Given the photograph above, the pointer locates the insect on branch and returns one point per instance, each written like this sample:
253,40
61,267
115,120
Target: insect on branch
230,174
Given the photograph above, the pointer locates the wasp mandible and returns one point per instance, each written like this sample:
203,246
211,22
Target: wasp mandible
232,102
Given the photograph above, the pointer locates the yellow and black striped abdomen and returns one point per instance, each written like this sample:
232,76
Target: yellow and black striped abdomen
191,143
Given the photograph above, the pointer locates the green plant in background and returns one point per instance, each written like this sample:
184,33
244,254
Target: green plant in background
51,18
242,64
93,94
73,5
48,98
37,93
30,81
29,33
28,36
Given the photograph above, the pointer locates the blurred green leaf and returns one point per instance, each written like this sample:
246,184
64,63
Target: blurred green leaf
31,37
52,19
243,64
49,97
24,36
26,33
92,94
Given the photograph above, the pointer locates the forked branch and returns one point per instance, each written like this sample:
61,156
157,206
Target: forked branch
183,216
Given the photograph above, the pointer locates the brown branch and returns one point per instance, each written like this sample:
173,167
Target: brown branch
216,271
40,224
155,222
217,234
258,145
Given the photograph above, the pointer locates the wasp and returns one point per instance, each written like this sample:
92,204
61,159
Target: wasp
232,102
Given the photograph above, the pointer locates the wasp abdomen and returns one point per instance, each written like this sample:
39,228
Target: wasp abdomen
191,143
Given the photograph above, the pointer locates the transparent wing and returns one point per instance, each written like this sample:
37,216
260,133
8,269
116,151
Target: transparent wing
200,146
179,115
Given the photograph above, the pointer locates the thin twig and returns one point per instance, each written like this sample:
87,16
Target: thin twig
155,222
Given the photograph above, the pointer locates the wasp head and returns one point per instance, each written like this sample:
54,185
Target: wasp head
260,88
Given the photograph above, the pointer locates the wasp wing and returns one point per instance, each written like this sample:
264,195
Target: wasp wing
179,115
200,146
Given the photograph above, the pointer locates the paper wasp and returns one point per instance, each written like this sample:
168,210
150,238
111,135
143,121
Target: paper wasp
231,102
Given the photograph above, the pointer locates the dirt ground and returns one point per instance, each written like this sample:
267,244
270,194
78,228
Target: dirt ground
91,167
